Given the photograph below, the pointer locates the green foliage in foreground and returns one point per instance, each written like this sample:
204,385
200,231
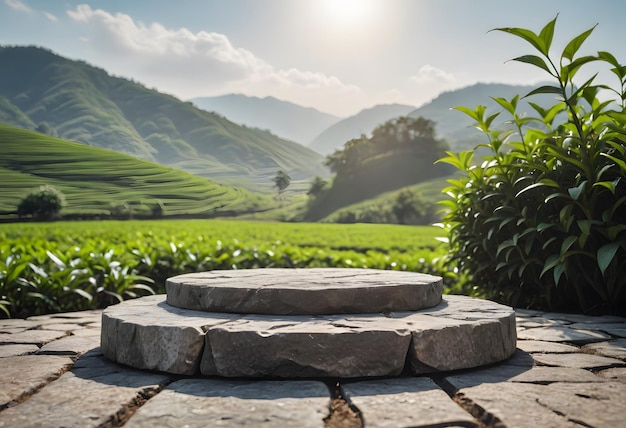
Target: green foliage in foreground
540,223
73,266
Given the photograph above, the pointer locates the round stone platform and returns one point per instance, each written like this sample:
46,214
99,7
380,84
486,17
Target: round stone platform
304,291
457,333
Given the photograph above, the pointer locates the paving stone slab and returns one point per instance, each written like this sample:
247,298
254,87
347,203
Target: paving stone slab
592,405
520,358
539,322
12,330
64,327
509,404
98,394
563,334
405,402
306,346
231,403
546,347
322,291
15,350
616,373
508,373
35,337
147,333
21,376
579,360
612,349
70,345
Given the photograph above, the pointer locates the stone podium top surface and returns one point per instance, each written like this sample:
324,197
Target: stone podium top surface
304,291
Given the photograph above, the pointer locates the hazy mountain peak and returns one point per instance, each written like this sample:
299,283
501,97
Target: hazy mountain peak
282,118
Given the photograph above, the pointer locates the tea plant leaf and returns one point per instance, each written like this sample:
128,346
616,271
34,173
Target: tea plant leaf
83,294
55,260
534,60
575,192
546,34
606,253
547,89
575,44
527,35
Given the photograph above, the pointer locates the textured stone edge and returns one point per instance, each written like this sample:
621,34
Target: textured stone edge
414,291
459,333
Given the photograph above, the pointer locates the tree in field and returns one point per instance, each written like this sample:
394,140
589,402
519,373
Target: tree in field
43,203
317,185
281,181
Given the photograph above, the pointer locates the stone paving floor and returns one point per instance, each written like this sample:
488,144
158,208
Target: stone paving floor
568,371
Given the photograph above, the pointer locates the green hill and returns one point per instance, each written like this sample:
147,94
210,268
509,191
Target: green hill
78,102
421,208
97,181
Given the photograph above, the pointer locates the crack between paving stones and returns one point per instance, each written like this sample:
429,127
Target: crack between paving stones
563,415
483,418
342,413
128,409
34,390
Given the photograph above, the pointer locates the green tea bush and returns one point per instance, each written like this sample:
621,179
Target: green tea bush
541,222
70,266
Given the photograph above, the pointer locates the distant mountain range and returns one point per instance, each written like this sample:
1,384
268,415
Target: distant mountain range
455,127
451,125
285,119
363,122
41,90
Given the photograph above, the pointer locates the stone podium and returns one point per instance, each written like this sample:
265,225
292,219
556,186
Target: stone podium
295,323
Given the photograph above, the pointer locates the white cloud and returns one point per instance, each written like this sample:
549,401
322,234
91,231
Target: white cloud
51,17
197,64
427,74
17,5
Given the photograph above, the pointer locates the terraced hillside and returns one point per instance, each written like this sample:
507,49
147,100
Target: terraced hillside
78,102
100,181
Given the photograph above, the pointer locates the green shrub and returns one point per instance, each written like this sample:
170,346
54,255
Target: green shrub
541,222
43,203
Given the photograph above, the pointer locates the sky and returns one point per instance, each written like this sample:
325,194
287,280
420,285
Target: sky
338,56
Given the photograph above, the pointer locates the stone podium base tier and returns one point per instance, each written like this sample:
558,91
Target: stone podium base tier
456,332
304,291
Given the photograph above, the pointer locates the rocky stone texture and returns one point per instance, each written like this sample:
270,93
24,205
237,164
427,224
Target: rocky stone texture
458,333
148,333
232,403
94,393
23,375
405,402
300,346
517,392
304,291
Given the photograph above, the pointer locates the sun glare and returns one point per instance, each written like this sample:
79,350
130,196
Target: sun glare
349,12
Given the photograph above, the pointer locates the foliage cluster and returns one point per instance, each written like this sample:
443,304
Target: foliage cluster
400,152
43,203
67,266
540,223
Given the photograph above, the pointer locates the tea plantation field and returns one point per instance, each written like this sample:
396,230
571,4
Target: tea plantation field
66,266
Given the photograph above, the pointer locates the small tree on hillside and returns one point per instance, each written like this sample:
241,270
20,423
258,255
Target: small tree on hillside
43,203
317,185
281,181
